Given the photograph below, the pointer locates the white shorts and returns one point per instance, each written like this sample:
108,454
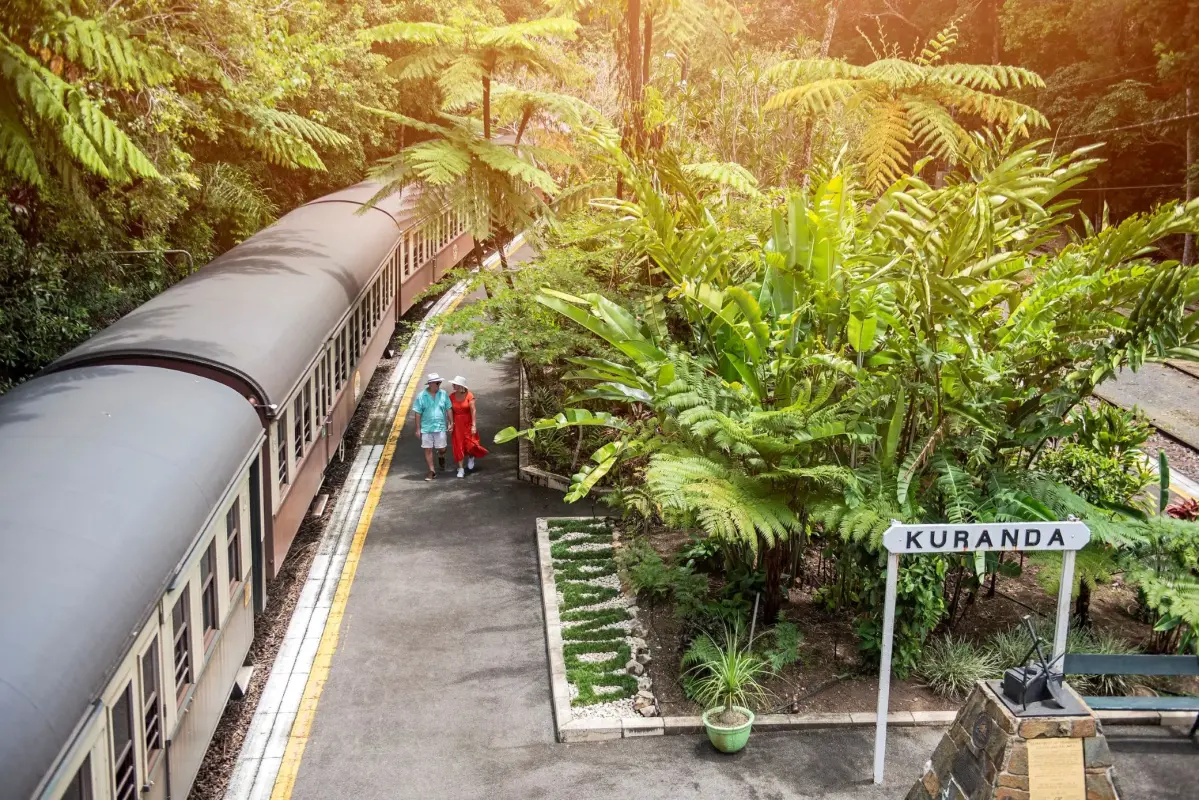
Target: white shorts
431,440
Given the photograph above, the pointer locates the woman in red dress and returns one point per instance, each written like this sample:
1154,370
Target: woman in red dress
466,433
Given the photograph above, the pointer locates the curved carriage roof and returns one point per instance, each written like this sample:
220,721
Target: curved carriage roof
111,474
261,311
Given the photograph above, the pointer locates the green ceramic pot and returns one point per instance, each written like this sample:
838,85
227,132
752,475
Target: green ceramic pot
724,738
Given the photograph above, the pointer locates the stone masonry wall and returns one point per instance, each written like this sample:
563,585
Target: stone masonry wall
984,755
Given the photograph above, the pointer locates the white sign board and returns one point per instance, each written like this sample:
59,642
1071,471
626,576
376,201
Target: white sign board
901,539
998,536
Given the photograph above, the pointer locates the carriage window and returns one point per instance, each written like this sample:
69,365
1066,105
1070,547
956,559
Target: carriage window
124,771
233,542
180,619
80,787
319,379
152,715
281,454
297,426
339,361
327,403
345,355
208,602
308,411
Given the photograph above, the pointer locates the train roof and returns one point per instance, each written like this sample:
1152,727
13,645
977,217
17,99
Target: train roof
262,311
111,474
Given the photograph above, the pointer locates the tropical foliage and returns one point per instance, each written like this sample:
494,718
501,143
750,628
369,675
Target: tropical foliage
902,359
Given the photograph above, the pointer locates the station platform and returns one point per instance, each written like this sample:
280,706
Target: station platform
438,686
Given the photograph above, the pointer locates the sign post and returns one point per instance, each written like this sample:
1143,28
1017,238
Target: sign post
900,539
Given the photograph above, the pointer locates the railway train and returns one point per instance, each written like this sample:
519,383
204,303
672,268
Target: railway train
156,475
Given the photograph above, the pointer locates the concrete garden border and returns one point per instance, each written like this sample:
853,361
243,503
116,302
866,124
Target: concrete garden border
526,471
569,728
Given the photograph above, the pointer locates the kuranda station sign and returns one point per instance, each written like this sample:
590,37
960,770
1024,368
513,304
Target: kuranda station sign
937,538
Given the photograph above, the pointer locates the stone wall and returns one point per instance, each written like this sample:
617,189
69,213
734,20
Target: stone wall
985,753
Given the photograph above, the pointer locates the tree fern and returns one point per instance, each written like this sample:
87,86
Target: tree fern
40,103
902,102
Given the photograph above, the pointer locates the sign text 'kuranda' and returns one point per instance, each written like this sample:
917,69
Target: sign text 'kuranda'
940,538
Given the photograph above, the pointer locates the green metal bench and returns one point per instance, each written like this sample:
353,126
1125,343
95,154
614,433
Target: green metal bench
1088,664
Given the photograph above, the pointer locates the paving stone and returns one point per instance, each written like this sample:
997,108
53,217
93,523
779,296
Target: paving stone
1099,787
633,727
591,730
1095,752
682,725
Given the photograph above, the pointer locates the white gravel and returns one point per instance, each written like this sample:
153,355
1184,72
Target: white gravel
632,628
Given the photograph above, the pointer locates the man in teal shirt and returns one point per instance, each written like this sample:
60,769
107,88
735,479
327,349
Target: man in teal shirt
433,421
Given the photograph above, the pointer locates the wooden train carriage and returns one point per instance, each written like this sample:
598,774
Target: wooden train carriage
126,513
295,319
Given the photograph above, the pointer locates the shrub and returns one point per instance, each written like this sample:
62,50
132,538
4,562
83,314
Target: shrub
919,607
647,573
1112,431
951,667
782,649
1098,478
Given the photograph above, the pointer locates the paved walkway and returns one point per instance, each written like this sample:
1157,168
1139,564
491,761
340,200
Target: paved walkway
1168,395
439,687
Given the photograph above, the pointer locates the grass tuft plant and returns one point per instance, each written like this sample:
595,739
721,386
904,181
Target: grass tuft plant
951,666
725,675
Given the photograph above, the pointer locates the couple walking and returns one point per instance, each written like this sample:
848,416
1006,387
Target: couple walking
437,414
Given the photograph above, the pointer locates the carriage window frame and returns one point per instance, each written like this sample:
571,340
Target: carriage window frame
124,753
283,469
150,670
182,658
80,786
233,558
210,605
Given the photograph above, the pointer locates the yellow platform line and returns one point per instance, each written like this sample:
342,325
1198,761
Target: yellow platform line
289,768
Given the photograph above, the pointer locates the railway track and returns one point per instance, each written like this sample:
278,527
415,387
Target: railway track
1168,394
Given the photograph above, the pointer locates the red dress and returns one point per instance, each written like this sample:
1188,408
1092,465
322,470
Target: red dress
465,442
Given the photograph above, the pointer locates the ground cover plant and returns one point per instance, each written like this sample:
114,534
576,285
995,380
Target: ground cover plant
597,628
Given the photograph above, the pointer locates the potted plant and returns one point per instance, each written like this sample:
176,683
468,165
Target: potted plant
724,679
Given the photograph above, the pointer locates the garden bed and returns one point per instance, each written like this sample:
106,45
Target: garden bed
597,652
830,676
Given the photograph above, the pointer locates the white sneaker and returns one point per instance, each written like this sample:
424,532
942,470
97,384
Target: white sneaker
461,474
470,462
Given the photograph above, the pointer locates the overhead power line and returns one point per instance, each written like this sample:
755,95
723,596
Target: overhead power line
1051,88
1151,122
1118,188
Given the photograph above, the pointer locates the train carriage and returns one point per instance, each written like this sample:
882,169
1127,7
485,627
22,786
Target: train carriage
156,476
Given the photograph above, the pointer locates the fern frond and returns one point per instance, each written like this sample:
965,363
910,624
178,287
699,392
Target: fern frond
424,33
885,144
726,173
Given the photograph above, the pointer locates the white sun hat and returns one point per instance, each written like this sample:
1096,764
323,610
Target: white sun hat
459,381
433,378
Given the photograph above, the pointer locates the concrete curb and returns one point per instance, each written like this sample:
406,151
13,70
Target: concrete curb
568,729
525,470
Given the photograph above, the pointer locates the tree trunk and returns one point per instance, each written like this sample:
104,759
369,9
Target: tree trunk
647,51
487,107
1188,242
830,24
634,124
996,33
524,123
773,596
1082,605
